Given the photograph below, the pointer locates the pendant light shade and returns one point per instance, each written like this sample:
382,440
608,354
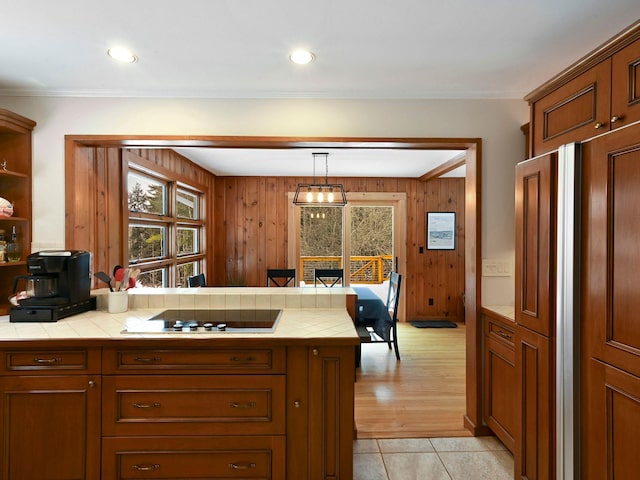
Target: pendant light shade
314,194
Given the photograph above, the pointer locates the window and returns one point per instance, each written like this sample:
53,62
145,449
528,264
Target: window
165,231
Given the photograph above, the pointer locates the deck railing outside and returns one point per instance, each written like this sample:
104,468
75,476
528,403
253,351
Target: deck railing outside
364,269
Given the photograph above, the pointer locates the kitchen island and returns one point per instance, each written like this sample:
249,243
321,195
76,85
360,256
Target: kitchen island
82,399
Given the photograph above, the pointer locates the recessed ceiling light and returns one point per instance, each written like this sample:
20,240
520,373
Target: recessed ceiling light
302,57
122,54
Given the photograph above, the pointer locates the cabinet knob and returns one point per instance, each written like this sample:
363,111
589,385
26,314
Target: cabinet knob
92,384
297,404
315,352
599,125
615,118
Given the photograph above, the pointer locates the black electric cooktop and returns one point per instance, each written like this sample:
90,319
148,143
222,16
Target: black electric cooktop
208,321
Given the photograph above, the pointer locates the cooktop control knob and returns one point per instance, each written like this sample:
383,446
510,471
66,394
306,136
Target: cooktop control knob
178,325
193,326
208,326
222,327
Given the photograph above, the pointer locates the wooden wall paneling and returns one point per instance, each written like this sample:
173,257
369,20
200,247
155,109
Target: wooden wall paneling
218,232
416,297
251,232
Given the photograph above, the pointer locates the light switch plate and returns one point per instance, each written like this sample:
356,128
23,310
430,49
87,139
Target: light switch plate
496,268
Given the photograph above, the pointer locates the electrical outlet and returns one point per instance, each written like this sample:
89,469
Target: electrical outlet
431,301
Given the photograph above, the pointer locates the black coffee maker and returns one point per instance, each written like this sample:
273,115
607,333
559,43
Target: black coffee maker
58,286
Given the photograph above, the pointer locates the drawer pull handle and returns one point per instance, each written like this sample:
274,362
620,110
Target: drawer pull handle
47,361
146,468
243,359
242,466
147,359
242,405
615,118
146,405
504,335
599,125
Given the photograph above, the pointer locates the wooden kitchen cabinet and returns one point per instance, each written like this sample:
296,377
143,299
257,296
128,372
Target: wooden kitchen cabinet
49,414
610,337
500,383
600,93
536,213
15,186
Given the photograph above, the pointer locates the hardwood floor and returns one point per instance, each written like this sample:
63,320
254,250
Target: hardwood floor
423,395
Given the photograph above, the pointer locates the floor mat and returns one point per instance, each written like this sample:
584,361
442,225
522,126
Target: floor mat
433,324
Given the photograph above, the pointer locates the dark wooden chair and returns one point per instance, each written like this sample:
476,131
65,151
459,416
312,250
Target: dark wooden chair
197,281
329,277
375,331
281,277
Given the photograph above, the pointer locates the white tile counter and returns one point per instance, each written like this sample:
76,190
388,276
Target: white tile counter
307,313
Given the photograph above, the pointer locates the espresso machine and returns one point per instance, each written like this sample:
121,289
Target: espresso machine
58,286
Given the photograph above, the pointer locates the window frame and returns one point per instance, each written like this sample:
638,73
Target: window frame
170,260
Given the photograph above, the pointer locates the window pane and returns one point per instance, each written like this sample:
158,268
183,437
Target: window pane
187,206
320,239
146,195
187,240
152,278
184,271
371,243
146,242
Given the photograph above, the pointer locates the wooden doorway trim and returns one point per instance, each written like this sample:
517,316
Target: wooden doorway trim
75,144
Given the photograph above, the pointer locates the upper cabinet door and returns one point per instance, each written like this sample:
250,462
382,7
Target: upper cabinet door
575,111
625,86
535,243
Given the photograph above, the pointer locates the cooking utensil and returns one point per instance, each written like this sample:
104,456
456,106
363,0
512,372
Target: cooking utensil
105,278
125,279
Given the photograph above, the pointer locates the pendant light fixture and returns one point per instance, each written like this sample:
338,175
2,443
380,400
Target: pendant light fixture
314,194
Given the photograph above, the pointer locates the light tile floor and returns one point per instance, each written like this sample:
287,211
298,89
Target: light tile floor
468,458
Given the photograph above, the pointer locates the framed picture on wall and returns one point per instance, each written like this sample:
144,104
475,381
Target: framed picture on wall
441,231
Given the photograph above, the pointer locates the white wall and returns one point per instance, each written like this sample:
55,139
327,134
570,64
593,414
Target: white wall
497,122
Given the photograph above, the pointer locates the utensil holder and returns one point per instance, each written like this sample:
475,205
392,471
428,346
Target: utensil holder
117,302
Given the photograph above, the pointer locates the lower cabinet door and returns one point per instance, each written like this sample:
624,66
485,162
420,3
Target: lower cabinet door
50,427
611,413
190,458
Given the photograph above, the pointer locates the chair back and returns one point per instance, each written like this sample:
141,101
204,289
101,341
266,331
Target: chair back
328,277
281,277
393,295
197,280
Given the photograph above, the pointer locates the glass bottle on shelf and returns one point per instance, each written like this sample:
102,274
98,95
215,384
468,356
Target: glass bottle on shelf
3,247
14,252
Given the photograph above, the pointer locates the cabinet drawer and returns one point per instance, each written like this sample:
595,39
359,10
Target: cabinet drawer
37,361
216,360
193,404
500,332
194,458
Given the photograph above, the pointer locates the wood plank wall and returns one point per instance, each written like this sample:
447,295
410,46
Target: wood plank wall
251,235
248,219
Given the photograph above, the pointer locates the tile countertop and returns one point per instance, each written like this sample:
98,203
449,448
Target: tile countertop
307,314
507,311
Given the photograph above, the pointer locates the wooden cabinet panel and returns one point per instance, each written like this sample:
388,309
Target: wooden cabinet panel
193,404
500,383
574,111
331,407
625,85
50,427
610,249
189,458
535,247
535,445
610,439
222,360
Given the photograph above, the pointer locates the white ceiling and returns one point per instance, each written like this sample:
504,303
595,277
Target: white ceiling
299,162
240,48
